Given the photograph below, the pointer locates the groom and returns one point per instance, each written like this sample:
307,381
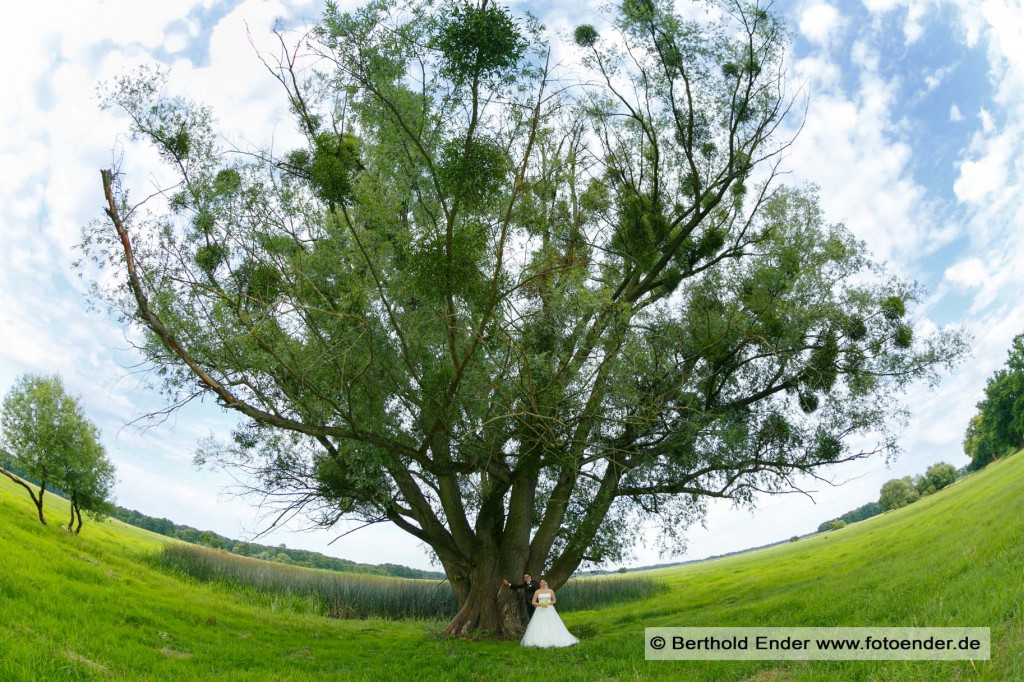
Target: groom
529,586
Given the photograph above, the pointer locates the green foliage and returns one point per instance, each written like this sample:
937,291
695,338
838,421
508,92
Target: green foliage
642,228
48,439
893,308
855,329
981,443
478,42
205,222
210,257
938,476
898,492
474,175
227,182
335,161
181,133
585,35
592,594
859,514
258,283
998,428
639,11
904,337
90,480
837,524
438,271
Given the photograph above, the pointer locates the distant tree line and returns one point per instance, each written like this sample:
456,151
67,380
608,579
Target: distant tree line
998,427
899,492
278,553
859,514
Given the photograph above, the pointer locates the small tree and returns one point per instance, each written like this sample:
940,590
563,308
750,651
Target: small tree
208,539
89,482
937,477
47,438
898,492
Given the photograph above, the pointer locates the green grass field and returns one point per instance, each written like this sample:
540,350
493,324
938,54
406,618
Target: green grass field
98,607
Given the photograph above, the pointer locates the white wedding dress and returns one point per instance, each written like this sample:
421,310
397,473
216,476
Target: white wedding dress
546,628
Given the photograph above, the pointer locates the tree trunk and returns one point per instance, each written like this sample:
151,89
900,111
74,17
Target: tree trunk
78,512
71,521
486,605
39,502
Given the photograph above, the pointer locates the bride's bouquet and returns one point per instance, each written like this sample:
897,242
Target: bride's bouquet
544,600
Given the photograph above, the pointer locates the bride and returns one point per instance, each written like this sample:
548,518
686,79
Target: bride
546,628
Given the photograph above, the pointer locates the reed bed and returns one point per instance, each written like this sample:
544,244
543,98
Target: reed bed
585,594
338,595
341,595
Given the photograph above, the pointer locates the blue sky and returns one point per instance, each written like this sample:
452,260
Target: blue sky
914,133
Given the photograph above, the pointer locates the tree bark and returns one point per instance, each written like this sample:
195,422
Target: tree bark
71,521
486,605
37,501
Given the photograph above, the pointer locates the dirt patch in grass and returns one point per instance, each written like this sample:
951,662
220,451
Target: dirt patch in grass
79,658
770,675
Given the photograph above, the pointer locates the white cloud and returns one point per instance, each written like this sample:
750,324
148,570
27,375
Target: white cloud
990,180
913,28
1004,25
969,272
178,38
818,70
935,77
876,6
864,55
819,22
913,20
954,114
971,22
852,146
985,174
988,126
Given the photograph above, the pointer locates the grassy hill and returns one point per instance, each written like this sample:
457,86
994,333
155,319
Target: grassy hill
97,607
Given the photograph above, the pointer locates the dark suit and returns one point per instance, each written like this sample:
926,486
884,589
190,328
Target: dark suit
528,590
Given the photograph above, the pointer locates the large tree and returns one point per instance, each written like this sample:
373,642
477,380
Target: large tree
48,439
512,311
